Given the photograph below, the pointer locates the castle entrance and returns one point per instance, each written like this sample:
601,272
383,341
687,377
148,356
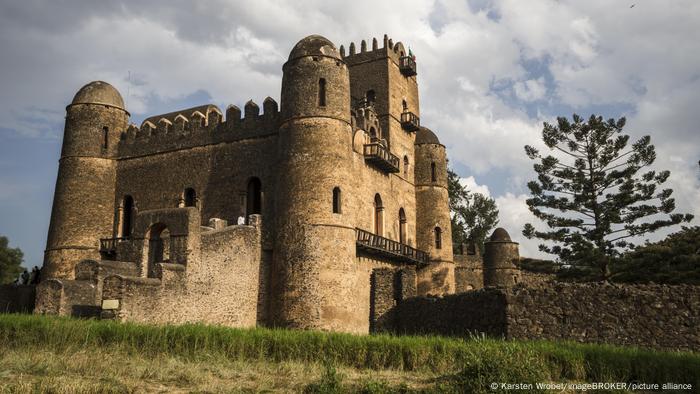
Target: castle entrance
158,247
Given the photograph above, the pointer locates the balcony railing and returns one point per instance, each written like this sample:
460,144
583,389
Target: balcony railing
385,247
109,245
410,121
378,155
407,65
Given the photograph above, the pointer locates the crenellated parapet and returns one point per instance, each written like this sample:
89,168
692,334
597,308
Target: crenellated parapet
395,51
199,126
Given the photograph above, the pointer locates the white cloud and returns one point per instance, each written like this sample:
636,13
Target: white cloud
530,90
470,184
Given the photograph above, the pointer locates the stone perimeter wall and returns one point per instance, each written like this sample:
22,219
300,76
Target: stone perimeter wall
655,316
17,298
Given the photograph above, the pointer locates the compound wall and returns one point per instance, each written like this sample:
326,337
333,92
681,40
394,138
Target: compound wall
656,316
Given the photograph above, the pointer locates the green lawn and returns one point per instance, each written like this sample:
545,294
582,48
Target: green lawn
67,355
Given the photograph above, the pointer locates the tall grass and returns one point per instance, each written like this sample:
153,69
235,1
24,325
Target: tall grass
462,363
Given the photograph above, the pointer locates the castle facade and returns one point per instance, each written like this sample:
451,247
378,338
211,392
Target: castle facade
278,218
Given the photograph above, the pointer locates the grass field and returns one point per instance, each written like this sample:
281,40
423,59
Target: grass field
47,354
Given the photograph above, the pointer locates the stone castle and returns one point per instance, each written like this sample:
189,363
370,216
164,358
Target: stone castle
328,213
281,218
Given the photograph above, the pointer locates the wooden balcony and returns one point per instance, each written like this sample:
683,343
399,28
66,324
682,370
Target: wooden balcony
108,246
407,65
387,248
379,156
409,121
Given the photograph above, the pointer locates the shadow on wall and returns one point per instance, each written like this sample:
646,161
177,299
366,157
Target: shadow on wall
17,298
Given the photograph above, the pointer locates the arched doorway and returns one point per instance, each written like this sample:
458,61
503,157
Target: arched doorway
373,134
253,198
127,215
402,226
158,247
378,215
190,197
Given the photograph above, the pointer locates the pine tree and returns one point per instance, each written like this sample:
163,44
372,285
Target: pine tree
591,195
474,215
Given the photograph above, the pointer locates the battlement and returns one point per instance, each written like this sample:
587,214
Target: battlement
199,126
395,51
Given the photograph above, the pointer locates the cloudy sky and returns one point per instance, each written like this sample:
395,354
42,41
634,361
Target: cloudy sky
490,72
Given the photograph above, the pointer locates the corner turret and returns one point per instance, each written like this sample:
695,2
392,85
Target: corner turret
314,263
315,81
83,207
433,227
500,255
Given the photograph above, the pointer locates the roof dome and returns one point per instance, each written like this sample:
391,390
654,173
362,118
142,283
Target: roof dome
426,136
314,45
500,235
99,92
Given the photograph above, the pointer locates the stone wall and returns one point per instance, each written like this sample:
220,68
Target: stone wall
655,316
481,311
383,298
218,287
17,298
645,315
389,287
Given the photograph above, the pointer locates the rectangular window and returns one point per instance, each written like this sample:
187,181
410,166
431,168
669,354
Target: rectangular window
322,92
105,136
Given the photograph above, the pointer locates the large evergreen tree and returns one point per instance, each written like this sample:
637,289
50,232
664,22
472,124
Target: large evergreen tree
591,194
473,215
10,262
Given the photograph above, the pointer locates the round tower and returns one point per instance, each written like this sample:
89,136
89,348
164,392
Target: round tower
315,270
500,255
83,205
433,228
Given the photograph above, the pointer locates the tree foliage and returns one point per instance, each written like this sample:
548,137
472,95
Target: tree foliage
10,262
674,260
473,216
591,195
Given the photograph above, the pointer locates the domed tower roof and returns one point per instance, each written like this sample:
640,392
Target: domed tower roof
99,92
500,235
426,136
314,45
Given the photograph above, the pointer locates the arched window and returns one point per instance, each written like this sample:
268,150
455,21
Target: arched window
370,96
433,172
322,92
404,105
190,197
378,215
127,215
105,137
405,165
336,200
402,226
372,133
438,238
253,198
